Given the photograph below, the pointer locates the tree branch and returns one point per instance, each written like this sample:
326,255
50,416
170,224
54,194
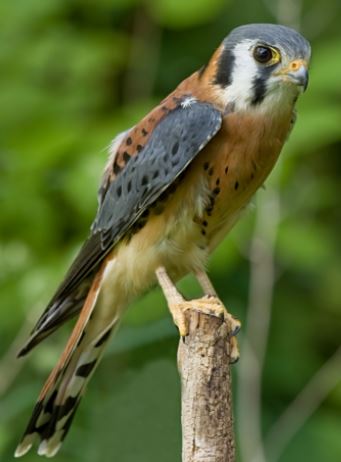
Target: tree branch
204,366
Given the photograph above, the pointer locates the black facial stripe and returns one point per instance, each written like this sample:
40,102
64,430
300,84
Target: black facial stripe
259,89
225,68
259,84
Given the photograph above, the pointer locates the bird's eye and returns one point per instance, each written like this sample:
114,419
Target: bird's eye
266,55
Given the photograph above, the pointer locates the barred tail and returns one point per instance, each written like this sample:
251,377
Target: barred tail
58,401
53,413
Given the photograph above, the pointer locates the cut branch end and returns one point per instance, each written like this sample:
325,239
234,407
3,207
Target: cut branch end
204,366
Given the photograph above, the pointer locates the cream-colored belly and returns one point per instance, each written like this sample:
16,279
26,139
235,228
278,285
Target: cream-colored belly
172,239
182,236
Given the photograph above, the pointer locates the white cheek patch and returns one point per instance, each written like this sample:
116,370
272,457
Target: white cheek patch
241,92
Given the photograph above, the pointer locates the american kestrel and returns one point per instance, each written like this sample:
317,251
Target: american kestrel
173,187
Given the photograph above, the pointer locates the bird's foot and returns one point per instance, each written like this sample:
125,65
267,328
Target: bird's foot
210,305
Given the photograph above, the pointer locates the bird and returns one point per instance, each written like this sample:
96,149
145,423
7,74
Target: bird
174,185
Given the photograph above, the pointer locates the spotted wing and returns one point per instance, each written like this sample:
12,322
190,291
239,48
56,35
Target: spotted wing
174,143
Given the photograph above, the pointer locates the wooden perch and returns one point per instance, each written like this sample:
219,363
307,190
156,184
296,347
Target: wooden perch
204,366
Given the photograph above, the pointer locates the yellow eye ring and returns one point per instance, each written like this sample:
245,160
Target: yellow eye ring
266,55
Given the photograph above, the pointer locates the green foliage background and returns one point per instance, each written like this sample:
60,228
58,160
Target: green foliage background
73,74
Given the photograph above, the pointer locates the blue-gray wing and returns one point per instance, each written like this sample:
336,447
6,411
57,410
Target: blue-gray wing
173,144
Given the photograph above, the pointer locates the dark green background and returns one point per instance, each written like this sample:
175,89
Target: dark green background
72,74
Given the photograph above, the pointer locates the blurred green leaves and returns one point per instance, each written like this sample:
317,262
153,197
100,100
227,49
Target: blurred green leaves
182,14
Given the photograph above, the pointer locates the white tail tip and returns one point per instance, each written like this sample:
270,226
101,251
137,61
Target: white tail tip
48,450
22,449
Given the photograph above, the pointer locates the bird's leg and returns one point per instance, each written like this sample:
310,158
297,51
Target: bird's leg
212,297
208,304
206,284
178,305
174,299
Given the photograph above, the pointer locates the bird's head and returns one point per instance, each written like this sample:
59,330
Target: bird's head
261,66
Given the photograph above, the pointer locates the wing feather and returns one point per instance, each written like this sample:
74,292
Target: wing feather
174,143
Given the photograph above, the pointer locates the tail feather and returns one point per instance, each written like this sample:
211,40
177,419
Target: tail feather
56,313
62,392
55,409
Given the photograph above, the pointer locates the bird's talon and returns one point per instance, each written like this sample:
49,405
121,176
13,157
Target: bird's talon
212,306
183,331
234,360
235,326
233,350
235,331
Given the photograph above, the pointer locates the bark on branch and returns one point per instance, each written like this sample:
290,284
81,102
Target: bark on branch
203,361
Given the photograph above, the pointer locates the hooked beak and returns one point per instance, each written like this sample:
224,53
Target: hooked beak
296,72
